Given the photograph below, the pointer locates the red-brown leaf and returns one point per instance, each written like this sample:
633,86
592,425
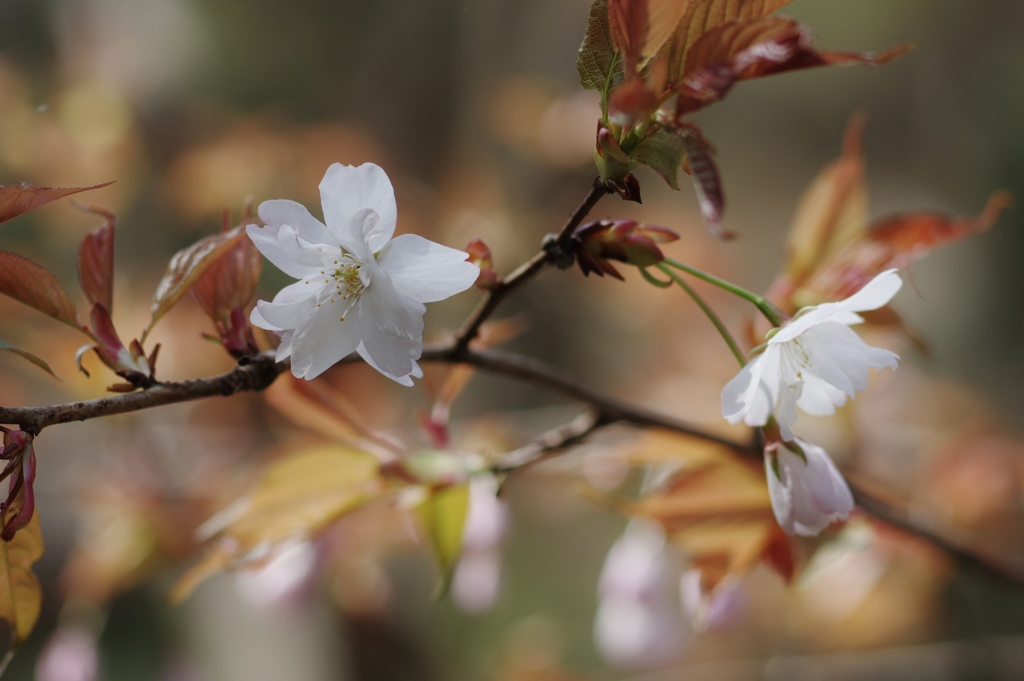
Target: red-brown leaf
96,261
230,282
185,268
706,180
897,241
16,199
628,23
742,50
703,15
35,286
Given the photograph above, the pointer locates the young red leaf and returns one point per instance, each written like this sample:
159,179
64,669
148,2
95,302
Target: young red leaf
832,212
96,261
185,268
16,199
627,24
230,281
35,286
752,49
703,15
4,345
895,241
706,181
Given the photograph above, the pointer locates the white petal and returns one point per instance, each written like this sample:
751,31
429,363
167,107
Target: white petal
426,271
281,212
346,190
284,349
266,240
807,497
739,394
392,336
324,341
316,256
818,398
290,315
876,293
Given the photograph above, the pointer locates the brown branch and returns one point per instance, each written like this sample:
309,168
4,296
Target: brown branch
556,252
252,374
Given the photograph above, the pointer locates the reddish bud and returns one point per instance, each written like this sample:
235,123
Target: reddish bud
129,363
480,255
17,510
623,240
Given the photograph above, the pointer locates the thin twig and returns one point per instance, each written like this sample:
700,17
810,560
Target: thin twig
556,251
555,441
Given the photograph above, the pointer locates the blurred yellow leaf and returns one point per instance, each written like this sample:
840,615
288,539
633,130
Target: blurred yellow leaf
20,593
832,212
298,496
716,507
443,515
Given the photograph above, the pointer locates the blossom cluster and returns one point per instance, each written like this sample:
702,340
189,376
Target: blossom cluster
812,363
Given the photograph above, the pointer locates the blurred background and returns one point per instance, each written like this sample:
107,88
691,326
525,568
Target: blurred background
474,109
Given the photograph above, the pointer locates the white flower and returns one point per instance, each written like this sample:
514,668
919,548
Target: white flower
359,290
814,362
806,496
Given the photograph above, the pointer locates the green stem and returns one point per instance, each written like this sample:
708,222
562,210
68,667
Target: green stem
772,313
715,319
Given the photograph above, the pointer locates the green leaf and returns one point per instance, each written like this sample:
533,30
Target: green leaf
20,593
597,59
4,345
663,152
443,515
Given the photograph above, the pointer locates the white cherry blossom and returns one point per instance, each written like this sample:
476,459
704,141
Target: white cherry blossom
358,290
807,496
815,362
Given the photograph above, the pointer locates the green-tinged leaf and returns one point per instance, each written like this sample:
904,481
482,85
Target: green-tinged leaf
702,16
34,285
185,268
297,497
96,261
663,152
20,593
597,59
16,199
4,345
443,515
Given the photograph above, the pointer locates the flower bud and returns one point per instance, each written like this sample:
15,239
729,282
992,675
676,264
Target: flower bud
808,492
480,255
626,241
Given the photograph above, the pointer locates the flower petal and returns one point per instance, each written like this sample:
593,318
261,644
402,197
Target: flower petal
392,335
281,316
426,271
876,293
807,496
281,212
266,240
324,341
347,190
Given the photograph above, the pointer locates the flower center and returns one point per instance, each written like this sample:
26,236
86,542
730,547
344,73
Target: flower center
343,286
